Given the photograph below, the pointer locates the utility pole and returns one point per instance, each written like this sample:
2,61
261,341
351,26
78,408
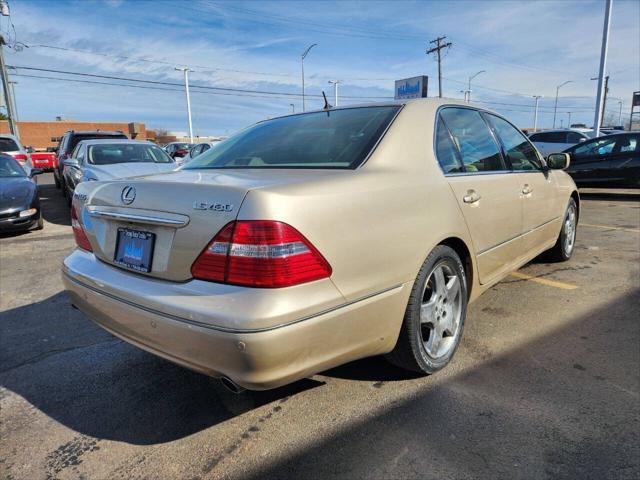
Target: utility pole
555,107
601,99
438,47
535,113
302,57
186,71
12,90
13,127
335,91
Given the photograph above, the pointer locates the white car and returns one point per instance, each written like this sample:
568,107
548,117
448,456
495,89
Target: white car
10,145
555,141
198,149
96,160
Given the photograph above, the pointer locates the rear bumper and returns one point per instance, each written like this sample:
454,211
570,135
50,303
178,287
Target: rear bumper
254,357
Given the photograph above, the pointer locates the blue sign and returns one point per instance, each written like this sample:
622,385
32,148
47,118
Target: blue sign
414,87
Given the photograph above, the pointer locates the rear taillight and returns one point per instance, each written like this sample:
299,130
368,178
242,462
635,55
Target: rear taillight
260,253
78,232
20,157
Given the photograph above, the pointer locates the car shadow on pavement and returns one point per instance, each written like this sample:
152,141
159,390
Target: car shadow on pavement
609,196
95,384
54,205
563,405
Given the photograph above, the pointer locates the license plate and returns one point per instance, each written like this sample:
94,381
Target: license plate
134,249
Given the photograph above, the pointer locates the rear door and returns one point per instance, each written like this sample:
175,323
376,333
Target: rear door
485,190
541,208
624,162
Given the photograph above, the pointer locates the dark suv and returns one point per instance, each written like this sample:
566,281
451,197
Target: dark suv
68,144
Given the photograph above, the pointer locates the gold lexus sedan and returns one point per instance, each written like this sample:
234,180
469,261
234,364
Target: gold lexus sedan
311,240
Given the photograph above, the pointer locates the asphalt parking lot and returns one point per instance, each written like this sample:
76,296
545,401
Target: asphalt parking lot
546,383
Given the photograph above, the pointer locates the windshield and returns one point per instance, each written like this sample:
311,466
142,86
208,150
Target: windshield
182,146
8,145
107,154
333,139
10,168
75,139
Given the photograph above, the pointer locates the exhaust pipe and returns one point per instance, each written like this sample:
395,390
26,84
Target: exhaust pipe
231,385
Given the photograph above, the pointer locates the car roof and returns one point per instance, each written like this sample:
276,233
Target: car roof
100,141
95,132
561,130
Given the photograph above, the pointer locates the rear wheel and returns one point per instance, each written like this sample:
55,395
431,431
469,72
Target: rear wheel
563,249
55,179
435,315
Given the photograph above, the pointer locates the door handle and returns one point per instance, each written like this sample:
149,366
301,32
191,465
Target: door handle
471,197
526,190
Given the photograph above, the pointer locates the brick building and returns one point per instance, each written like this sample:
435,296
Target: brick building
39,134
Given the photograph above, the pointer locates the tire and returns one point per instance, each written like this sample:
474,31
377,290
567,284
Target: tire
563,249
434,320
56,181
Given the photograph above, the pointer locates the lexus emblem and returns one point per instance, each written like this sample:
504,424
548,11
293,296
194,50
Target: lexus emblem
128,195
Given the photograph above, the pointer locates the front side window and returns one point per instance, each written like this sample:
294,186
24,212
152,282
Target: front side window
476,145
595,148
110,153
339,139
517,147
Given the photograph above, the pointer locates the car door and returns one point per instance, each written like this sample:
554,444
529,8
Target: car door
590,162
624,162
485,190
541,206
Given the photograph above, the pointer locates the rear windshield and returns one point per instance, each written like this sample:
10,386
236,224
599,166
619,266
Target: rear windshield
339,139
75,139
8,145
108,154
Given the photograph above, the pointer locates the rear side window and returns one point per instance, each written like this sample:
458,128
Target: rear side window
517,147
574,137
8,145
446,150
474,141
549,137
627,144
338,139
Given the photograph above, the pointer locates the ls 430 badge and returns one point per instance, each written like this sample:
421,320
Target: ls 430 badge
216,207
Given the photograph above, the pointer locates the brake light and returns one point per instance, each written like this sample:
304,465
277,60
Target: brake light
20,157
78,232
260,253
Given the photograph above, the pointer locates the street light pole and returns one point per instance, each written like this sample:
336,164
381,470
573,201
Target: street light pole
535,113
13,127
620,114
603,66
335,91
569,120
186,71
302,57
469,87
555,107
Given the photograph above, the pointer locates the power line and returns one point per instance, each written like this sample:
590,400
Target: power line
174,84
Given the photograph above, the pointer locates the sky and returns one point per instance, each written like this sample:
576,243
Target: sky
525,48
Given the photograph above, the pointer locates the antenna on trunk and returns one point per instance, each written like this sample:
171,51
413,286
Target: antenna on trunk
327,106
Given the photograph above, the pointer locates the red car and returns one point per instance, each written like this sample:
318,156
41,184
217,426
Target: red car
44,160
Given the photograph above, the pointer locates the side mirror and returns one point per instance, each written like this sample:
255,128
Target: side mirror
29,149
558,161
69,162
582,140
35,171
